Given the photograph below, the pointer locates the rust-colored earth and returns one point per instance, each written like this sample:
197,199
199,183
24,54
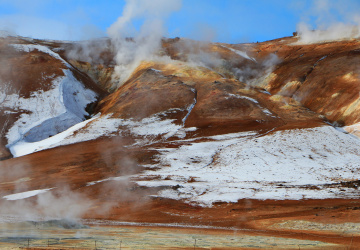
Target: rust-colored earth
307,87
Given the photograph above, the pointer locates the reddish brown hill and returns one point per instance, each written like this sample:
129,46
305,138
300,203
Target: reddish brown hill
102,174
323,77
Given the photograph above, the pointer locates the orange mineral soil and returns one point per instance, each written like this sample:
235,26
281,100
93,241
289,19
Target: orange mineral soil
309,86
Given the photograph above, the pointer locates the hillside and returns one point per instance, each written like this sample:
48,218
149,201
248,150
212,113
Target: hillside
254,136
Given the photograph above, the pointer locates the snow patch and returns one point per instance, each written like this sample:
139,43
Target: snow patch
241,53
244,97
24,148
265,110
105,125
152,126
156,70
24,195
189,109
293,164
47,113
118,178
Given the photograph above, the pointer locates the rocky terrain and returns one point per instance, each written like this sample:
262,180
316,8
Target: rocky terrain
256,137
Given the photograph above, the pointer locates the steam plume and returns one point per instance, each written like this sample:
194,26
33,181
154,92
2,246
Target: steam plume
133,46
327,27
56,204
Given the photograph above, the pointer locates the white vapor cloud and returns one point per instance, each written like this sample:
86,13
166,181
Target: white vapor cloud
132,45
333,20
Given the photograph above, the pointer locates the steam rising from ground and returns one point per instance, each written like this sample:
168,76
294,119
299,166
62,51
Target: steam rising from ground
338,31
63,199
241,66
58,201
91,51
254,75
327,28
133,46
55,204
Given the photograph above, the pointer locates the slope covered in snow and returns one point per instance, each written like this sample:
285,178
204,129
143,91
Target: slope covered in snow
145,130
292,164
47,110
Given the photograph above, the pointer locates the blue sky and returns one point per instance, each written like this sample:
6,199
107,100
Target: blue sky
232,21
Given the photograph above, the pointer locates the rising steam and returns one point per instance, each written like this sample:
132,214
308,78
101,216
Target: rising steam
338,31
132,45
60,203
327,27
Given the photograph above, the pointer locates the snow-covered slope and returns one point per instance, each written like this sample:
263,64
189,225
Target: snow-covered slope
98,126
49,111
288,164
291,164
